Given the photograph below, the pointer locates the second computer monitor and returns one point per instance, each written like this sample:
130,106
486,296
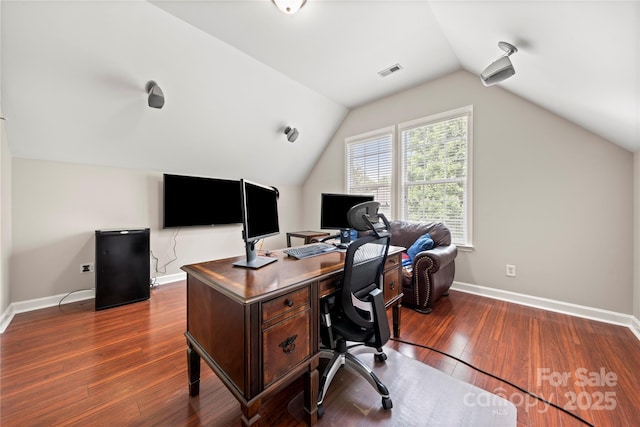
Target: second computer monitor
333,212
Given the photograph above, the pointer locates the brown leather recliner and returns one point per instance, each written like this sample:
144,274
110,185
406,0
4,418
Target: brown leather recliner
431,273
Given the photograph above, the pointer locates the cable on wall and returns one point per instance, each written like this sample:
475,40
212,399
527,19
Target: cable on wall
163,268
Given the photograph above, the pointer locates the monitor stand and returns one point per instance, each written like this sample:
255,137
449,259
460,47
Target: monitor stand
252,260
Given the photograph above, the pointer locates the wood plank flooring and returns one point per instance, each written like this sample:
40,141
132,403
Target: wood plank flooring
127,365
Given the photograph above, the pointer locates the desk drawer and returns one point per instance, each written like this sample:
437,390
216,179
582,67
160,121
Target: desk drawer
330,285
284,345
393,261
287,303
392,284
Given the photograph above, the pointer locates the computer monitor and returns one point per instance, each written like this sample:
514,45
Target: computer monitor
334,209
259,220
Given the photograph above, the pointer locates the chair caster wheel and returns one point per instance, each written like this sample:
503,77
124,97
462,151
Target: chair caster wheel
387,403
320,411
381,357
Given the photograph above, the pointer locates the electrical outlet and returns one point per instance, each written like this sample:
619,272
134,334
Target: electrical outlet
86,268
511,270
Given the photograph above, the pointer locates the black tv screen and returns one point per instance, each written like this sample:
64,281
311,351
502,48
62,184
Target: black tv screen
192,201
334,209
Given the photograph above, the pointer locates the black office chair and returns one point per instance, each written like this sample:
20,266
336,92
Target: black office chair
356,312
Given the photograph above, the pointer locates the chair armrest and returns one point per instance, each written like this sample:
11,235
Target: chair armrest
440,256
382,332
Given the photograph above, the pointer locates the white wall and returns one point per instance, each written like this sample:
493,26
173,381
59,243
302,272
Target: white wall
549,197
58,206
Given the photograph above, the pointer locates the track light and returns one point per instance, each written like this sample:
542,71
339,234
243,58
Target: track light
289,6
292,133
156,97
500,69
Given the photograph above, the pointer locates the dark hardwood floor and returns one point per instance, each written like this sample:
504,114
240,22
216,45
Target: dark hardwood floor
127,365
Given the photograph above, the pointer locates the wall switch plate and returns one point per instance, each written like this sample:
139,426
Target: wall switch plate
511,270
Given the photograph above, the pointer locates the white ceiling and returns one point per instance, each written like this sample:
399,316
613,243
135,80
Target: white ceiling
235,73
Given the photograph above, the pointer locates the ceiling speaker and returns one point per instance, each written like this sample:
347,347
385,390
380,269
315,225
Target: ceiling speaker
156,97
500,69
292,133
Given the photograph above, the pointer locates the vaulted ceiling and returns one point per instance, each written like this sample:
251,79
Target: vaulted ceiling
236,73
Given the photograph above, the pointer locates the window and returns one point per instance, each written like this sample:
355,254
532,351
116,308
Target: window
369,161
435,170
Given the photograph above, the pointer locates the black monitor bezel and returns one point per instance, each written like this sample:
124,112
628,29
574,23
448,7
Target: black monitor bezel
249,208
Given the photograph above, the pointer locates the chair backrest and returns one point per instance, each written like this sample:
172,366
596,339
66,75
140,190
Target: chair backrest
362,297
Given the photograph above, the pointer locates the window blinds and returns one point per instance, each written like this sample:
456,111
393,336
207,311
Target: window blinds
369,168
434,172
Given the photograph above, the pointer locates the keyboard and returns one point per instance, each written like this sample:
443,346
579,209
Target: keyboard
307,251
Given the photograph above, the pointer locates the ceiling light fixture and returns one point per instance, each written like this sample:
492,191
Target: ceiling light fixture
156,97
500,69
292,133
289,6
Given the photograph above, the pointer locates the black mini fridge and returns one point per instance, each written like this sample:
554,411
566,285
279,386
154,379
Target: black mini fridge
122,267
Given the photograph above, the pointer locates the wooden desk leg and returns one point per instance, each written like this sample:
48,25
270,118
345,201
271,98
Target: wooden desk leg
311,385
251,413
396,320
193,369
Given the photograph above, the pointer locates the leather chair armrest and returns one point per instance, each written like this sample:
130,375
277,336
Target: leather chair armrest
440,255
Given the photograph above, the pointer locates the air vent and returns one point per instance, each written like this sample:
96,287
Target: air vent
390,70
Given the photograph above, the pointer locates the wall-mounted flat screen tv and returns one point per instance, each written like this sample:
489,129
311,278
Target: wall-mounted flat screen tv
192,201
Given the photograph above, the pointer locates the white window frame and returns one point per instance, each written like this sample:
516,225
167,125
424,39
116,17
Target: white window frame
363,138
397,191
468,202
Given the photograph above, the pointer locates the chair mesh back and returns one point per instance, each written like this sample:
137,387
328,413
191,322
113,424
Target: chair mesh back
363,271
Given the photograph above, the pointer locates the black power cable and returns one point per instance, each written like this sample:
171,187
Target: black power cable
163,269
527,392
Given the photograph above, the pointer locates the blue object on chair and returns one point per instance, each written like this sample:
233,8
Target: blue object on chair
423,243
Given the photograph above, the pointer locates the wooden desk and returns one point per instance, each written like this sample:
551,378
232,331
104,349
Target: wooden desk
259,330
306,235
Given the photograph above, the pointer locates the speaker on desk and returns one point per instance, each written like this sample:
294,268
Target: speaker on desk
122,267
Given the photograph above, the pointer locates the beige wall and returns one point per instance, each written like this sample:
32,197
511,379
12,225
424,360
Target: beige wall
5,206
549,197
5,218
636,234
58,206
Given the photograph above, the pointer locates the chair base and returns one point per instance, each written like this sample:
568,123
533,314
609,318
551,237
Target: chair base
341,357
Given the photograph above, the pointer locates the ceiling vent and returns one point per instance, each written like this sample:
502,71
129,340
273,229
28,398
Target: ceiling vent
390,70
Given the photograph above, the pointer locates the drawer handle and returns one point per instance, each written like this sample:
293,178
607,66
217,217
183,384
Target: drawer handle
288,302
288,345
392,285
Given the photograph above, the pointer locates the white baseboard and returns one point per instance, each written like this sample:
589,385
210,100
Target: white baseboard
170,278
36,304
571,309
635,326
6,318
